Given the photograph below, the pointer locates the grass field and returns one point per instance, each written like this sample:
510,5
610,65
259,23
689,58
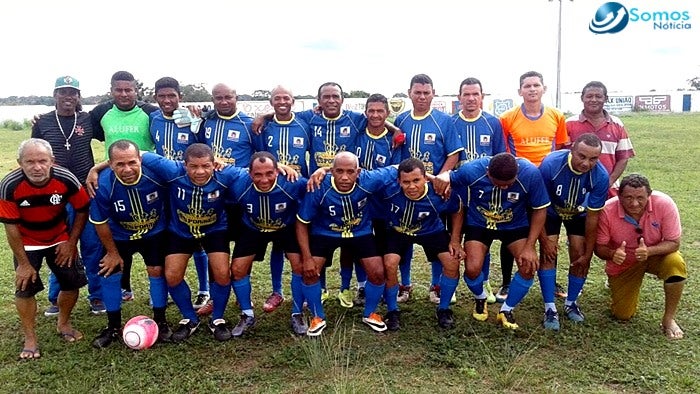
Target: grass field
600,356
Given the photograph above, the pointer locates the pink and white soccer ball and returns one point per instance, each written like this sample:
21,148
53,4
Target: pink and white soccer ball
140,332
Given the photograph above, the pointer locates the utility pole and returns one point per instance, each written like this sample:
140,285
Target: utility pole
558,94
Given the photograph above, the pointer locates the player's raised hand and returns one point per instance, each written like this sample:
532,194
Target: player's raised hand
620,254
641,253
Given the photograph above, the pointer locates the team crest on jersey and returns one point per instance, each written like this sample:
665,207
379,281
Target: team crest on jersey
55,199
152,197
362,203
345,131
485,140
213,196
280,207
298,142
422,215
183,138
24,203
233,135
429,138
396,105
513,197
381,159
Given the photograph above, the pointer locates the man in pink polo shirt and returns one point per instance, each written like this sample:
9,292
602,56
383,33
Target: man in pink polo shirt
640,231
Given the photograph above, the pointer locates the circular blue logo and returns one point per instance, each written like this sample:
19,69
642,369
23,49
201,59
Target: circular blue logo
610,18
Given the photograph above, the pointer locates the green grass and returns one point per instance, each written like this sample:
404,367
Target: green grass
600,356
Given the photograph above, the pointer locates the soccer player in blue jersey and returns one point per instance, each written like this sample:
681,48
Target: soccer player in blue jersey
129,216
430,137
413,216
270,203
482,135
577,183
501,189
197,221
171,140
336,215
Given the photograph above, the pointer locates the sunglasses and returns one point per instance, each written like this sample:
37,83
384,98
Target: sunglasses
639,232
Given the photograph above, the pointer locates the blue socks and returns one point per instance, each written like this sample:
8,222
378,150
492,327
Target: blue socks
373,293
405,267
182,295
276,268
312,293
112,291
476,285
519,287
242,288
390,295
159,291
297,294
436,273
220,295
201,264
548,279
575,286
447,289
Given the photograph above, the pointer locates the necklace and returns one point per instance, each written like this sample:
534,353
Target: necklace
75,122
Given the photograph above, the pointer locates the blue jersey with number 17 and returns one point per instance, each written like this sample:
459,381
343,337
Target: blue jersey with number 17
344,214
272,210
170,140
194,210
571,192
494,208
429,138
420,216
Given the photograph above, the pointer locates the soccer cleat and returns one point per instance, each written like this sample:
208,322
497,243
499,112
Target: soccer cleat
551,320
445,318
219,329
272,302
299,325
106,337
201,301
345,298
360,297
97,307
375,322
185,329
454,298
434,294
502,294
507,320
165,333
127,295
324,296
316,327
481,312
206,309
559,291
574,313
404,293
393,320
243,325
490,297
51,311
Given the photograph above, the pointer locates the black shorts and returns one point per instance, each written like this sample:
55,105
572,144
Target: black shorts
234,220
574,226
433,244
486,236
152,249
217,241
252,242
69,278
324,246
380,235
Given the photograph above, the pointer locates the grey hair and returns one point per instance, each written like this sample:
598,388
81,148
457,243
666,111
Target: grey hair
35,142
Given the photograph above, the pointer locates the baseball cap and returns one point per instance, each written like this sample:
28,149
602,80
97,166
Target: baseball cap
67,82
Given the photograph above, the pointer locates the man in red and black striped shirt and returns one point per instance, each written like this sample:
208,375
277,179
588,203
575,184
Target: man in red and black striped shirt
33,202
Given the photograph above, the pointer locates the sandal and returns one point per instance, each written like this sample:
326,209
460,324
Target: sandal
673,331
29,354
71,336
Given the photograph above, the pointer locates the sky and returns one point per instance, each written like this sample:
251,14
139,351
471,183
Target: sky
370,45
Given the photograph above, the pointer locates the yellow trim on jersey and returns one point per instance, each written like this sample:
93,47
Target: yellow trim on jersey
283,122
571,167
376,137
262,191
227,117
425,193
336,189
421,117
461,115
129,184
302,220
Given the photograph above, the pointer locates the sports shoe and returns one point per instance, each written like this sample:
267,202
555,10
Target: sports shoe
316,327
490,297
445,318
559,291
127,295
243,325
502,294
106,337
434,294
607,283
206,309
393,320
219,329
185,329
375,322
272,302
51,311
551,320
299,325
97,307
345,298
360,297
507,320
574,313
481,312
324,296
201,301
165,333
404,293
